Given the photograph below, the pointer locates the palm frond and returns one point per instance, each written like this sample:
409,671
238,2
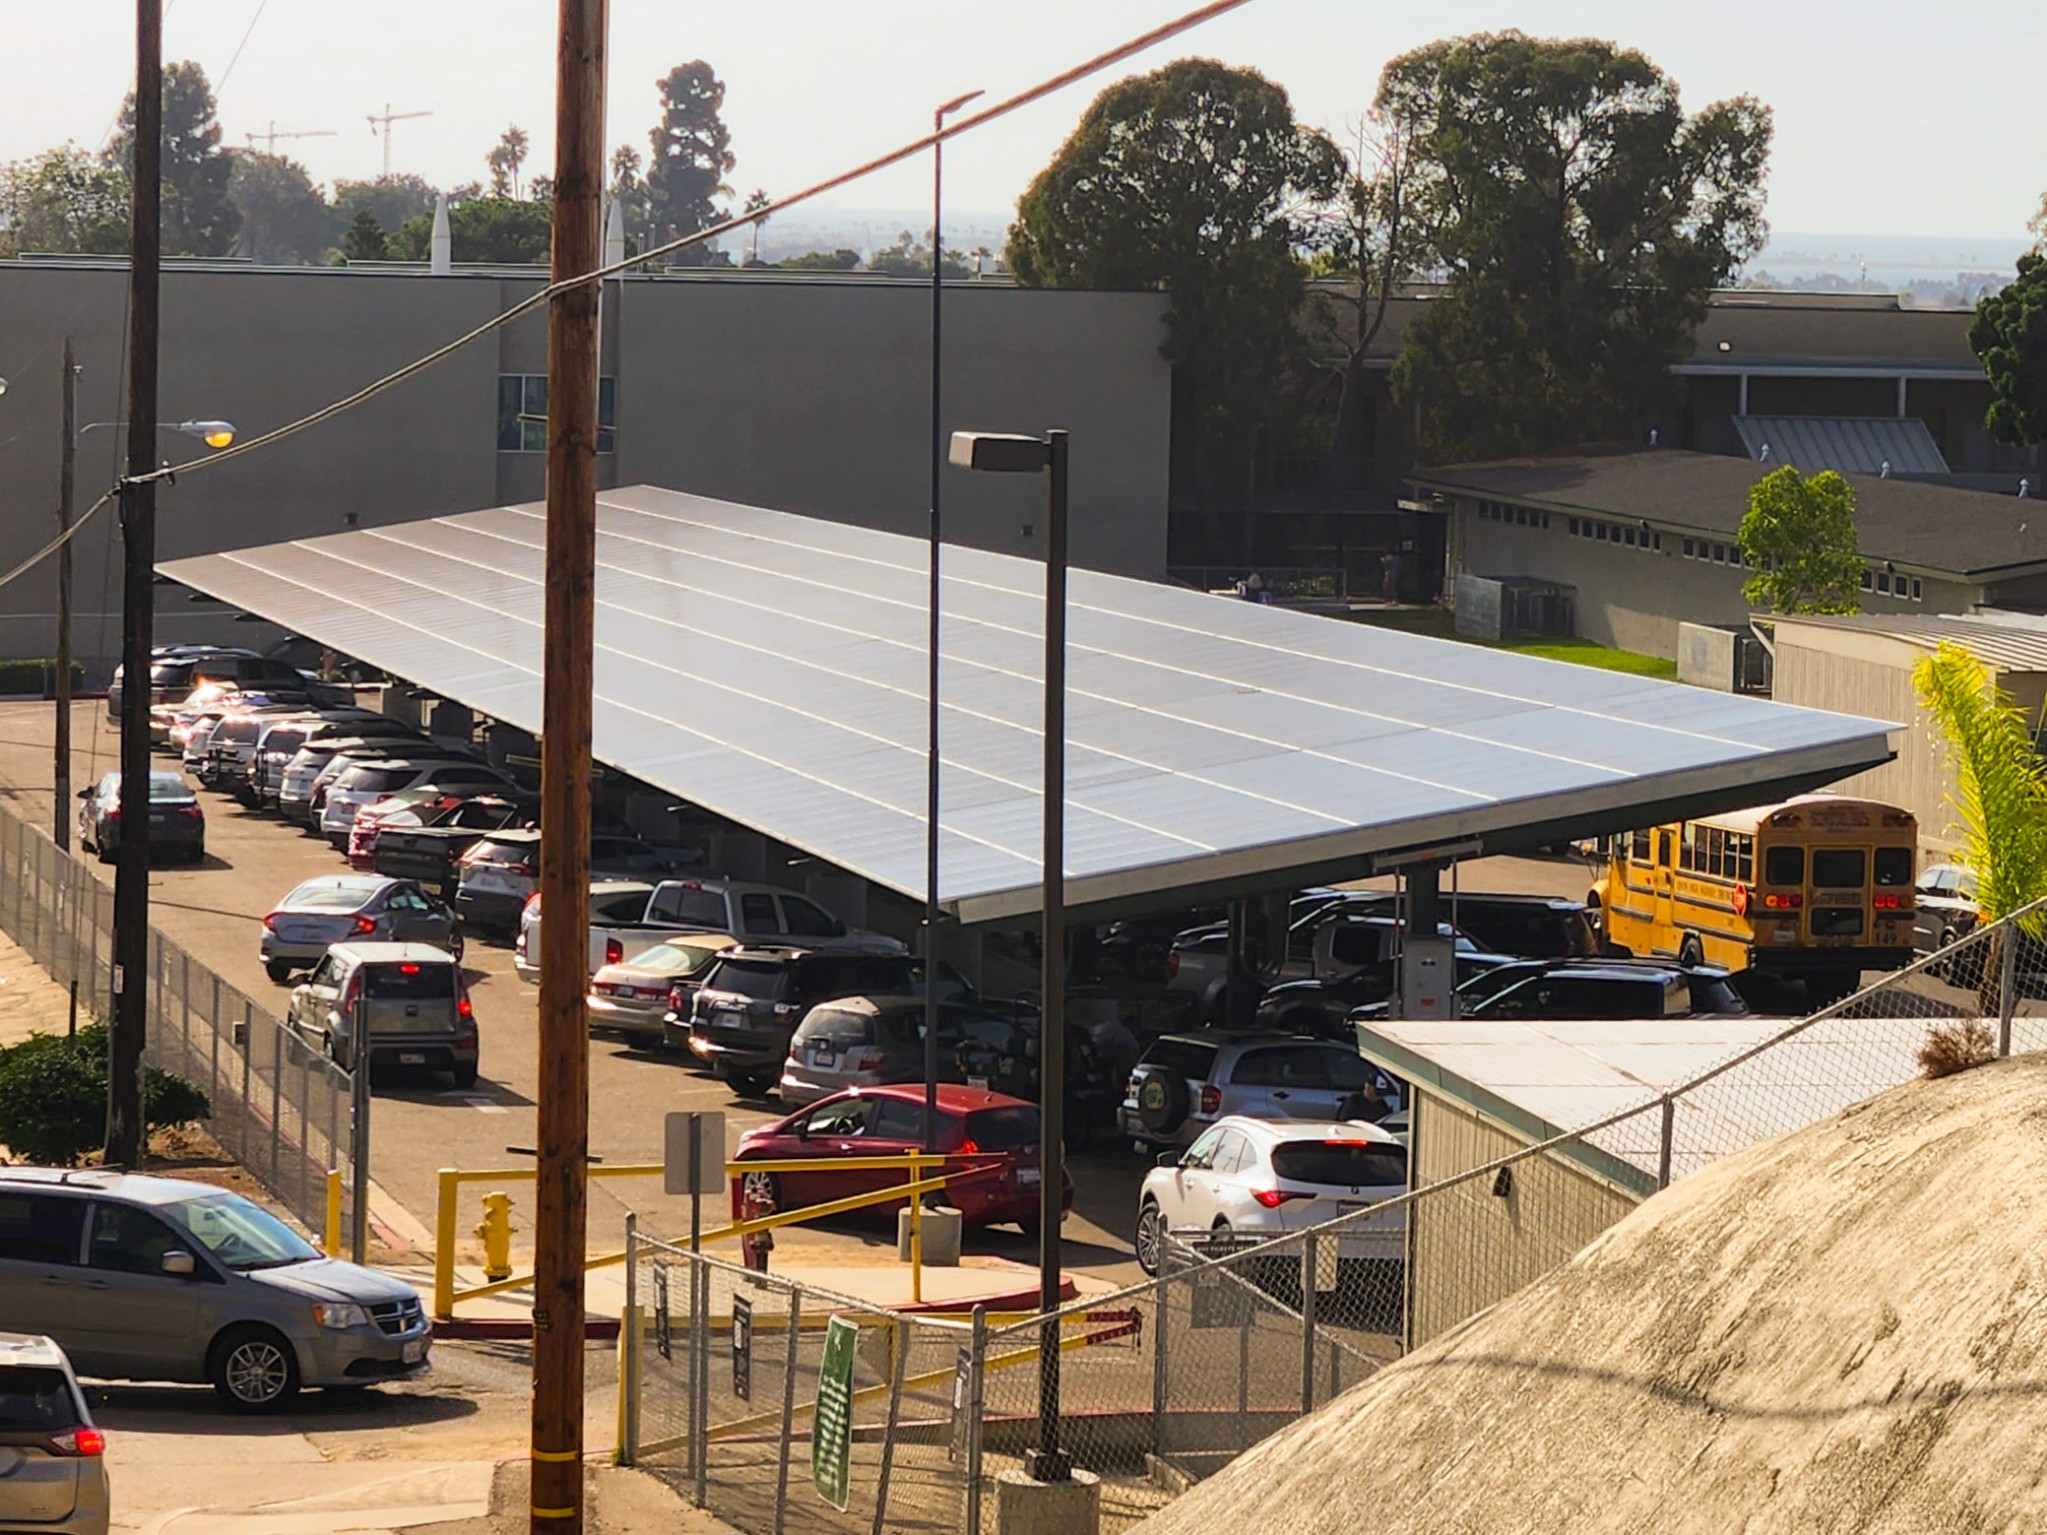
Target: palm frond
2001,803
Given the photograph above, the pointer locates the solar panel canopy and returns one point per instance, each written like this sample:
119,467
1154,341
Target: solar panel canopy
770,668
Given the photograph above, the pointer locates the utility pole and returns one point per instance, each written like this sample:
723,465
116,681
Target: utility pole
387,118
61,685
138,598
560,1221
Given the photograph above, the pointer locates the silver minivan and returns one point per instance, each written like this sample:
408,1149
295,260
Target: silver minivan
410,996
142,1278
53,1471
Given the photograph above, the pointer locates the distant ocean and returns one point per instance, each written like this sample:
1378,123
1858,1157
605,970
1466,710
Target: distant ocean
1886,261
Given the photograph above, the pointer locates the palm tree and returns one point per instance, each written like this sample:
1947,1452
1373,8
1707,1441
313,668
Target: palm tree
2001,793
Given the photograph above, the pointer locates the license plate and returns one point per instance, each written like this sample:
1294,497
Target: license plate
1026,1175
823,1058
411,1058
415,1351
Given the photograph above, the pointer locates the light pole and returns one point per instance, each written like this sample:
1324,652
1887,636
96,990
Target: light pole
995,453
931,642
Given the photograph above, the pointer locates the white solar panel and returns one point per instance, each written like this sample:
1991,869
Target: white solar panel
770,668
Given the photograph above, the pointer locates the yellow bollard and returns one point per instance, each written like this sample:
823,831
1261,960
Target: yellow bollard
444,1243
333,1212
496,1235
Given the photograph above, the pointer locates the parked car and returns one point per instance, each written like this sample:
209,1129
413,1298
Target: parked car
1183,1083
363,783
611,900
746,1011
754,913
1602,988
1534,926
502,870
53,1470
993,1135
409,996
1261,1178
1946,910
873,1041
146,1278
1337,943
430,827
176,670
346,908
634,996
177,824
282,739
1326,1009
307,769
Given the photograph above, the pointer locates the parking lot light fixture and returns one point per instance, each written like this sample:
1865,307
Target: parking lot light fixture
999,453
215,434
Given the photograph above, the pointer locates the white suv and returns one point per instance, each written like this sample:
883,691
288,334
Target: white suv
1184,1083
53,1475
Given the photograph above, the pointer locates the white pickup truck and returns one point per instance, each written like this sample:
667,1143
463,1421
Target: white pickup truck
751,913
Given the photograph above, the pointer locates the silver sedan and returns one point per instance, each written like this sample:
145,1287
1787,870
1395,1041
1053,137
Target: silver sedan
352,908
632,996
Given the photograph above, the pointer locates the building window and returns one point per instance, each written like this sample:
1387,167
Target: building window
1658,540
522,413
1545,520
1868,579
1688,548
1883,584
1918,591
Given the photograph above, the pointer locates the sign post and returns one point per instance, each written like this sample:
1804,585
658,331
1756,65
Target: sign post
831,1445
693,1162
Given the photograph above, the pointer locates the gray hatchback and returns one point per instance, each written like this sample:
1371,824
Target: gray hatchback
142,1278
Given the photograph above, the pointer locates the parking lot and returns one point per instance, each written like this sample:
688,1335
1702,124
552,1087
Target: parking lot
421,1124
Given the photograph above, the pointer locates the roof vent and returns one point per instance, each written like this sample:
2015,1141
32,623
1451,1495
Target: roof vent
2025,486
1653,435
1764,456
1884,470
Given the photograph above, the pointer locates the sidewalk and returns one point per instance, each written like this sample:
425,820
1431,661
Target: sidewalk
30,1002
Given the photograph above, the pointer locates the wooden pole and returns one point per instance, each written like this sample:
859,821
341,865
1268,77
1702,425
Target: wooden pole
61,684
138,610
564,1120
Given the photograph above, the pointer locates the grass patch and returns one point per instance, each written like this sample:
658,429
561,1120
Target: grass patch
1439,623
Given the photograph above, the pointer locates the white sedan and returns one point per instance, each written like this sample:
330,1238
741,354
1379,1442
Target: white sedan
1261,1178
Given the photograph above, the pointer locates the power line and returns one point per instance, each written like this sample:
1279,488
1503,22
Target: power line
221,84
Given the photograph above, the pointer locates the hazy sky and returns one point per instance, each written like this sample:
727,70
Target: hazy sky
1891,118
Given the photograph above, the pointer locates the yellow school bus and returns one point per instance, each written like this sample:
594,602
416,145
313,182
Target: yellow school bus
1818,888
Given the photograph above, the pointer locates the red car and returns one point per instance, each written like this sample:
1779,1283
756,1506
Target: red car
978,1128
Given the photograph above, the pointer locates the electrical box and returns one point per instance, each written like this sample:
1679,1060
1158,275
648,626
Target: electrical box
1428,978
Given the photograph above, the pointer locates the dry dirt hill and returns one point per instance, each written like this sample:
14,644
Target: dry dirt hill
1839,1330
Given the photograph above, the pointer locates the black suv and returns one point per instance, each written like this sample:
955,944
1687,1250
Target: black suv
1592,988
745,1013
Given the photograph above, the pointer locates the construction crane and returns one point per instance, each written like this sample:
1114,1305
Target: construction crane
275,133
387,118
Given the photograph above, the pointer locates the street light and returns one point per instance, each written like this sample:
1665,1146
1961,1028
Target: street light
931,759
995,453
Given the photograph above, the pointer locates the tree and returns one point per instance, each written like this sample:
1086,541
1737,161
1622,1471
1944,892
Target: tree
365,240
1195,181
692,155
756,200
497,230
504,162
911,257
199,219
391,199
285,219
1798,536
629,191
841,260
63,200
2009,335
1582,221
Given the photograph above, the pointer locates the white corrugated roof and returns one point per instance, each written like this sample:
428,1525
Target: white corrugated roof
770,668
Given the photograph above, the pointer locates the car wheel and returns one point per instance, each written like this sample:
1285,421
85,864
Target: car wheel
761,1188
254,1369
277,970
1030,1227
465,1074
1151,1236
455,944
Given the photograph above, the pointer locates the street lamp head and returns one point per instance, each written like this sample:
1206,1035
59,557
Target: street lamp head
215,434
3,386
1000,453
957,102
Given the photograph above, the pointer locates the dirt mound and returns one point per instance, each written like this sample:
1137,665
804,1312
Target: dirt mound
1839,1330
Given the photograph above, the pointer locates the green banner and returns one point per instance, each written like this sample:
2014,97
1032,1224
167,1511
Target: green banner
831,1442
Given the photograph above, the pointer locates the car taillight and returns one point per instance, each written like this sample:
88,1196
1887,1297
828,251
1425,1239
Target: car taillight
526,869
1272,1199
113,812
1889,903
969,1148
190,812
603,988
81,1442
1211,1100
866,1060
463,1009
365,924
270,922
614,951
532,906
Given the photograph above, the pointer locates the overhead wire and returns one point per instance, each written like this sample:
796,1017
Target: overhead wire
221,84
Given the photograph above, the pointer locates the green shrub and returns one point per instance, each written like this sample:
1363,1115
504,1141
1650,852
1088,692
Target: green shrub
53,1097
32,674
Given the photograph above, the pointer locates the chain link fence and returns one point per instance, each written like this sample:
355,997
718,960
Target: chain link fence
1162,1383
280,1108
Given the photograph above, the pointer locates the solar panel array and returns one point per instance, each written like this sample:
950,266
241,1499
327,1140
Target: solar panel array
771,668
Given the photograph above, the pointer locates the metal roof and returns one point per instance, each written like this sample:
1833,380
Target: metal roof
2005,642
1849,444
1542,1080
770,668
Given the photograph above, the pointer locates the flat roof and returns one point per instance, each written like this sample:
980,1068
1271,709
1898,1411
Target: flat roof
770,668
2004,641
1541,1080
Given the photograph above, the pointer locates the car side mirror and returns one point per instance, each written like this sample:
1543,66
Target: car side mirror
1170,1159
179,1264
803,1130
84,794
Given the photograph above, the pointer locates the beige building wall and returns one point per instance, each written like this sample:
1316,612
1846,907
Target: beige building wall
1470,1246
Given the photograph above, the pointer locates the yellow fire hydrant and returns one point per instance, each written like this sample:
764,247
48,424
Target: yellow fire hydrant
496,1234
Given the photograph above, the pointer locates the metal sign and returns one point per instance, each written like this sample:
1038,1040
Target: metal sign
831,1445
1221,1296
705,1174
742,1348
664,1341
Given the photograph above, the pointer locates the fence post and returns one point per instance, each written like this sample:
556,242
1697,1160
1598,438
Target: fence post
977,1371
788,1410
2007,986
700,1379
629,1349
895,1409
1663,1145
248,1105
1310,1295
1160,1381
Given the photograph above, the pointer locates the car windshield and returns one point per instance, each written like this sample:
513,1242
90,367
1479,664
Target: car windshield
759,981
1341,1164
238,1234
35,1399
366,780
328,895
670,958
835,1026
